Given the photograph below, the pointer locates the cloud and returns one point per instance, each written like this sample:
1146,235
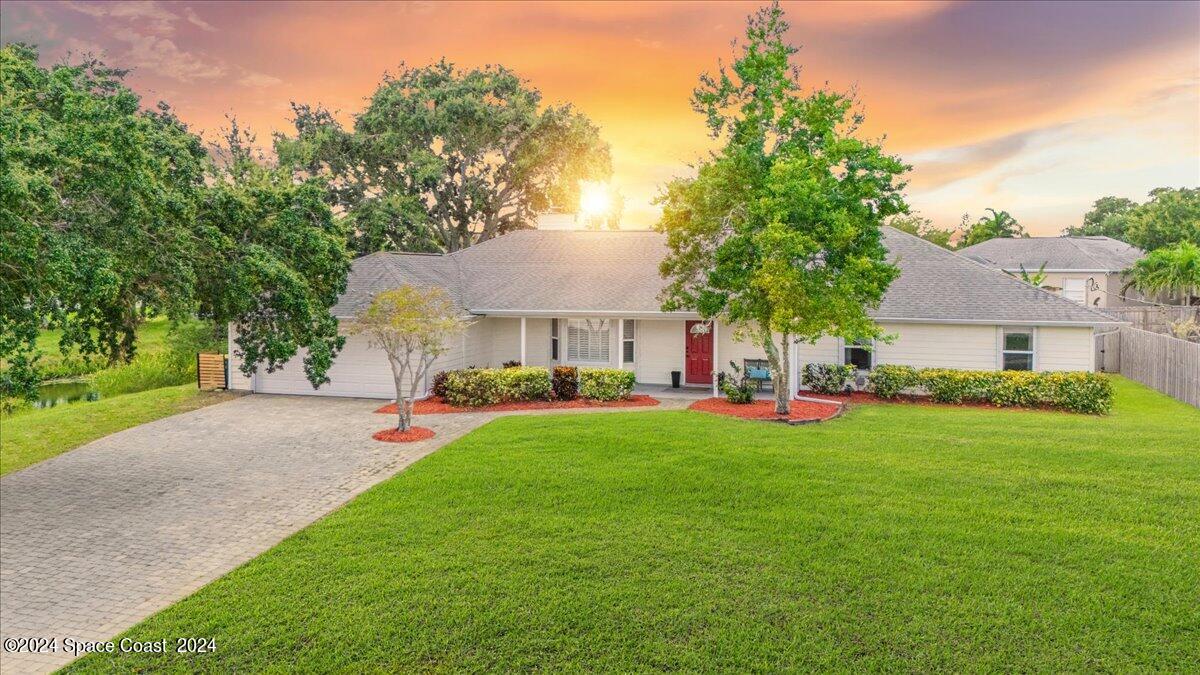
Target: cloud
151,14
936,168
195,20
162,56
252,79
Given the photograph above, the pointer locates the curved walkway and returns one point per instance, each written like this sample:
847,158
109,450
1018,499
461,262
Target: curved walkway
97,539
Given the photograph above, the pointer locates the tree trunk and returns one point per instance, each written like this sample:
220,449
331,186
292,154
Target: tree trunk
778,370
403,412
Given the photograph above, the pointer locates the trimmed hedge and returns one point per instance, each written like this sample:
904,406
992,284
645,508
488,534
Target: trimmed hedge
887,381
524,383
605,384
475,387
826,378
472,387
1080,392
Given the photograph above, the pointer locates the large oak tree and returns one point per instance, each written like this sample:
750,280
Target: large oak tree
443,158
110,213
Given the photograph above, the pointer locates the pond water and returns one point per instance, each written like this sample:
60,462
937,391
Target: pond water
56,393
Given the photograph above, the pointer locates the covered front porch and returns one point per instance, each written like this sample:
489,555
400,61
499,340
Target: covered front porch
657,347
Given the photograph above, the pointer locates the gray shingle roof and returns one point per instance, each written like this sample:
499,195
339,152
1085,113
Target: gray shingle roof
1057,253
585,271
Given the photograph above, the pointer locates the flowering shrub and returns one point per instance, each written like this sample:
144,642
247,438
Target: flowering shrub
826,378
565,383
605,384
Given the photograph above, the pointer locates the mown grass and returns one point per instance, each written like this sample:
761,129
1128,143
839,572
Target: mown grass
893,538
31,436
151,339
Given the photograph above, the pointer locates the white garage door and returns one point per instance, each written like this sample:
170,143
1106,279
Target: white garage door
358,370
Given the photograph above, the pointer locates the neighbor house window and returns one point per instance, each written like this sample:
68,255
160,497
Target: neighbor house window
553,339
860,354
1017,350
627,329
587,340
1073,289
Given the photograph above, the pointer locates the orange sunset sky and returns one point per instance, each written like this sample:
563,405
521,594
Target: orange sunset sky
1036,108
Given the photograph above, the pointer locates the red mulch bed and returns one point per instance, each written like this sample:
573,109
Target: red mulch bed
394,435
436,406
801,411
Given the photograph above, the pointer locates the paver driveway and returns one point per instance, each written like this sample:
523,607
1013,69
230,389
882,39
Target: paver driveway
97,539
94,540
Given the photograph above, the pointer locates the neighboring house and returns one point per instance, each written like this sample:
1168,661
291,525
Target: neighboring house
585,298
1088,270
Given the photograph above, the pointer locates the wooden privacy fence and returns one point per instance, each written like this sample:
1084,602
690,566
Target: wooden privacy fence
1162,362
211,372
1154,319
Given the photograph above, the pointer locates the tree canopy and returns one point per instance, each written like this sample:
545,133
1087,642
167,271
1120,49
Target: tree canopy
110,213
924,228
443,158
779,232
98,203
1168,217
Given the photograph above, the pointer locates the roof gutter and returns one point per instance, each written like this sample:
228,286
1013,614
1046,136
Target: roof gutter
1000,322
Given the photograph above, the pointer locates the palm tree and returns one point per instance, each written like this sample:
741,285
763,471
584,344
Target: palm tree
1171,269
999,224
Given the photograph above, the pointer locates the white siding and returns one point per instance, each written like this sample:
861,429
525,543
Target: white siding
925,345
537,342
357,370
506,341
731,348
237,380
659,350
825,350
1064,349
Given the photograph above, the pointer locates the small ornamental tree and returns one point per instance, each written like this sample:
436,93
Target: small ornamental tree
779,232
412,326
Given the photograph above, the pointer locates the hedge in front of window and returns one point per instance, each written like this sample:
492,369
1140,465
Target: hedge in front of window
887,381
827,378
1081,392
524,383
605,384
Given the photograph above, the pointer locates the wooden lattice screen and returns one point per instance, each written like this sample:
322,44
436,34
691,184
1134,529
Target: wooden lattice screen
210,371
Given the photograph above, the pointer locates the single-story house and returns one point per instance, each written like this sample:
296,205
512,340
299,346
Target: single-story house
591,299
1087,270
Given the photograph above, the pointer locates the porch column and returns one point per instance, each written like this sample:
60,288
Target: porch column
716,359
522,341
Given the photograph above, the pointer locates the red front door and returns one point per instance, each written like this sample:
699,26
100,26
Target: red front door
698,354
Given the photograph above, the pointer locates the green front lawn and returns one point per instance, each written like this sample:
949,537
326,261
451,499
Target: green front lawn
29,436
893,538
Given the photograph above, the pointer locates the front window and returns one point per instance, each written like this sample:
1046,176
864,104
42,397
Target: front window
554,339
1074,289
1017,353
627,329
860,354
587,340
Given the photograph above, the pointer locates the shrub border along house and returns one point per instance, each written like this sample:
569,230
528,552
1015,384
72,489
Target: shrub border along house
480,387
1081,392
